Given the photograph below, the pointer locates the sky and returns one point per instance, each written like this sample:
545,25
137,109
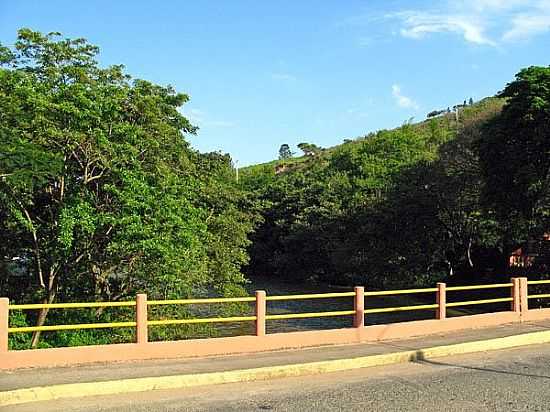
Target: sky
263,73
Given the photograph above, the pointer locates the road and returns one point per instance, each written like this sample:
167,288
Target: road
507,380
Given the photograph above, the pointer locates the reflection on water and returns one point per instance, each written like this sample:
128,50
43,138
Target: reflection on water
274,288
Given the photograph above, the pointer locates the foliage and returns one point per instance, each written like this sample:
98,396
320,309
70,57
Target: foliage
285,152
396,208
100,195
309,149
515,159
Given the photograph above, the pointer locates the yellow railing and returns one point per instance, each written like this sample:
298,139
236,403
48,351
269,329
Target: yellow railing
72,305
50,328
540,295
310,315
399,292
478,302
78,305
478,287
401,308
311,296
248,299
198,301
199,320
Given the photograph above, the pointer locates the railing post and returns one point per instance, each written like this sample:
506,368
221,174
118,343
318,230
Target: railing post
523,295
4,322
359,307
441,300
516,295
141,318
260,312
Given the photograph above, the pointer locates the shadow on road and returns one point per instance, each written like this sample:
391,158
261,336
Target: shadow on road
419,357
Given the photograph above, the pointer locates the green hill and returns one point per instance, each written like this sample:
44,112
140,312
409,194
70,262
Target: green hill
407,206
445,124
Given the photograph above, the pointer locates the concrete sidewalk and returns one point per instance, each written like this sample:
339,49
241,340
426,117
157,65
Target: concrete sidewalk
29,378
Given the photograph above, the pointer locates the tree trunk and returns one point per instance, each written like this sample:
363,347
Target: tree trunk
469,253
42,319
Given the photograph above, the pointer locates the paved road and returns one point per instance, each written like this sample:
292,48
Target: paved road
508,380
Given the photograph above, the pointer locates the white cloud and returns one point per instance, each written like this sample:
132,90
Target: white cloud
525,26
479,22
417,25
491,5
401,100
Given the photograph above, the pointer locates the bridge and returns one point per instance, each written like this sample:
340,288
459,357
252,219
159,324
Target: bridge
304,352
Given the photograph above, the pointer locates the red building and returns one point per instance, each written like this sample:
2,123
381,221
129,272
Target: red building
531,253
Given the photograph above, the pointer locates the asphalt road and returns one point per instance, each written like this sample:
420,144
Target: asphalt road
508,380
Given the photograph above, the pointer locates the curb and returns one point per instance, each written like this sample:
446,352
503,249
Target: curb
77,390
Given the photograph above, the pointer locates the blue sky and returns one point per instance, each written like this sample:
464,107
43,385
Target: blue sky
263,73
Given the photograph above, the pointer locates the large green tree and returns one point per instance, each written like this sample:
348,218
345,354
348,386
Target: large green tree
515,158
100,194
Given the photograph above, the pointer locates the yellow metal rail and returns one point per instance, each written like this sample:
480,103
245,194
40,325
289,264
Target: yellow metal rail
310,315
72,327
541,296
197,301
199,320
244,299
311,296
538,282
71,305
478,302
476,287
399,292
401,308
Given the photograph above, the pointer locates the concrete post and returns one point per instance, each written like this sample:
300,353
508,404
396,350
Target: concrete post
359,307
523,295
441,300
260,312
141,319
4,322
516,295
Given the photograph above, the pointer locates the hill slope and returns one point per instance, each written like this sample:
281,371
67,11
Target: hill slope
396,207
445,124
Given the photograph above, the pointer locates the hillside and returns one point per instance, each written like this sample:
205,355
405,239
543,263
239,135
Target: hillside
402,207
445,123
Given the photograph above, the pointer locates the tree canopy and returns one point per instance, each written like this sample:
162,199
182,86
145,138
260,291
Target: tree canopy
448,198
100,194
285,152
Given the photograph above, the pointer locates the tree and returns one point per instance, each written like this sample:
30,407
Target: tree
515,158
284,152
309,149
100,194
471,101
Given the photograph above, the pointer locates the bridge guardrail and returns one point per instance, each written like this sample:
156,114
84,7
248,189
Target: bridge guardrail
540,295
518,297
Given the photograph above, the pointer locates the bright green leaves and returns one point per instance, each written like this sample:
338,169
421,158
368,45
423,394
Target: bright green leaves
79,219
99,192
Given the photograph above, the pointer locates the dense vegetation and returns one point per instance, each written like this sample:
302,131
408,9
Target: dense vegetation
449,198
101,197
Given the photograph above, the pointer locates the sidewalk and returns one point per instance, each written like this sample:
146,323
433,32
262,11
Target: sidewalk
30,378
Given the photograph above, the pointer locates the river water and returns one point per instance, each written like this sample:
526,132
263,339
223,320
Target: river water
274,288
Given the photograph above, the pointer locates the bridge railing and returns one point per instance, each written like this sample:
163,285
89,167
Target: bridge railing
540,295
518,298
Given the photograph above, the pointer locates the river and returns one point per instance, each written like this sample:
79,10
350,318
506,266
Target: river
274,287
